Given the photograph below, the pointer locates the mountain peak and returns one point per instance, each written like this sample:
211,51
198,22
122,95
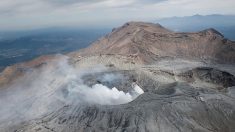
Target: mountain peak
144,25
213,31
147,41
134,27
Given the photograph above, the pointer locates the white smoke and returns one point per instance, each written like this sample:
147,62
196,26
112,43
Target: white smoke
110,77
44,90
138,90
100,94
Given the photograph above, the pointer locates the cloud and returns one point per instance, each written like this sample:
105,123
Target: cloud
113,2
192,7
26,14
69,2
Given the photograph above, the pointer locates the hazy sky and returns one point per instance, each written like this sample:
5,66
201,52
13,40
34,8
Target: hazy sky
27,14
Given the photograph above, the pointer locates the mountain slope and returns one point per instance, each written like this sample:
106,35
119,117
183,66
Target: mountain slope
148,42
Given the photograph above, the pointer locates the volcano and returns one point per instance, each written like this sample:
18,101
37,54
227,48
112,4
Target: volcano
140,77
148,42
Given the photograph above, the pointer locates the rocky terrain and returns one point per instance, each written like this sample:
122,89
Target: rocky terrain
188,81
148,42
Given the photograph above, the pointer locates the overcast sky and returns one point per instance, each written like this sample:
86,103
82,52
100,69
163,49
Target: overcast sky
29,14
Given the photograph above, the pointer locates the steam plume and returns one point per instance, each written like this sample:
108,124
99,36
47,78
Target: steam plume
44,90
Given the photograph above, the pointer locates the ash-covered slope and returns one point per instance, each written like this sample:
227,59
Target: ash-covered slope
92,89
147,42
174,108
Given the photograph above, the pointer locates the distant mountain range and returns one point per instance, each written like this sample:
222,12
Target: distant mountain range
223,23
